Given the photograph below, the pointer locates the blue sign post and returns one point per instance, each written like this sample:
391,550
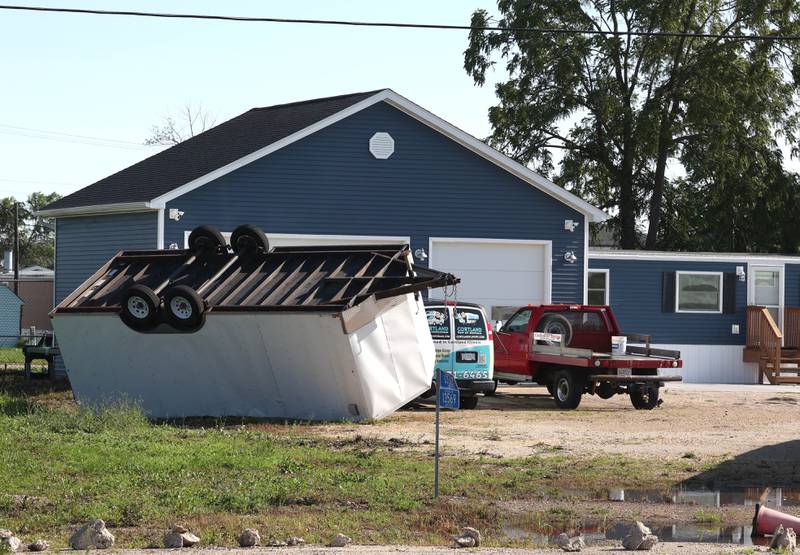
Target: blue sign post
447,397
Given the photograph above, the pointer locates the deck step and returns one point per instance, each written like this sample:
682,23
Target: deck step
786,379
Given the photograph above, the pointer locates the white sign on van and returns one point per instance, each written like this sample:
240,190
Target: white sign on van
549,337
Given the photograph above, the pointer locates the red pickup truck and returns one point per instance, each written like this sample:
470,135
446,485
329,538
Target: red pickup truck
568,349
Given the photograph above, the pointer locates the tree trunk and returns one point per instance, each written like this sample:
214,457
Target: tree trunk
627,205
657,194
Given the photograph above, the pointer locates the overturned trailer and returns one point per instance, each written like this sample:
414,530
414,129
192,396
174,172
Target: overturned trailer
312,333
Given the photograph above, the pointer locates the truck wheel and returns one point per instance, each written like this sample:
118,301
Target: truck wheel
183,307
206,241
567,389
247,240
644,397
139,307
491,392
468,403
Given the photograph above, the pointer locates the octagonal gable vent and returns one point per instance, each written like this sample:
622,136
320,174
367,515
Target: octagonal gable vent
381,145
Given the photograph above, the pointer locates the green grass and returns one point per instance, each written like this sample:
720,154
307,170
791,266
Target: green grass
63,466
11,355
704,516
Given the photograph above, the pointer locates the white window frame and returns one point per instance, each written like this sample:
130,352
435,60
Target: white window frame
608,283
751,283
678,275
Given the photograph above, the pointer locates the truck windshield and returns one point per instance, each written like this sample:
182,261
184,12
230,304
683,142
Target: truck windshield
518,322
469,324
439,322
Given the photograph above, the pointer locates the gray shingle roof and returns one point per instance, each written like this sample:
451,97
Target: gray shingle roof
206,152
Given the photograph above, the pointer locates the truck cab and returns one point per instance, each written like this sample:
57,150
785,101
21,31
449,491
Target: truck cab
568,348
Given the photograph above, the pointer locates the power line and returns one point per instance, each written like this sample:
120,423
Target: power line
33,182
74,139
400,25
69,134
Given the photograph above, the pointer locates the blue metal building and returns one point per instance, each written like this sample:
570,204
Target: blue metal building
361,168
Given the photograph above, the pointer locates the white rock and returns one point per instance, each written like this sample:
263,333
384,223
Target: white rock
639,538
570,544
38,545
9,541
464,541
179,536
339,540
249,538
784,539
93,535
276,543
473,533
294,540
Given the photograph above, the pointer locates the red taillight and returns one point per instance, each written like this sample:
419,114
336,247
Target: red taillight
489,331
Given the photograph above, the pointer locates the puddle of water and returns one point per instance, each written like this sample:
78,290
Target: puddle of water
677,533
775,498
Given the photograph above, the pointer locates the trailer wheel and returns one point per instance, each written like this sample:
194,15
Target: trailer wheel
567,389
468,402
644,397
556,323
205,241
248,239
139,307
183,307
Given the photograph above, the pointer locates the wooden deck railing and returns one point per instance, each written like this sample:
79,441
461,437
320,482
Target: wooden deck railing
778,354
791,327
753,329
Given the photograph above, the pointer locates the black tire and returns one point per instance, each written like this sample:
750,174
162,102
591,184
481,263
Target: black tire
139,307
550,389
247,240
556,323
567,389
467,402
206,241
644,397
492,392
183,307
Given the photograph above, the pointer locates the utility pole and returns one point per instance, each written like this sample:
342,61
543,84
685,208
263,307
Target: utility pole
15,262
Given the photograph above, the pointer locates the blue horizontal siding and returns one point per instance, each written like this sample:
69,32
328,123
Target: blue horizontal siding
10,317
329,183
635,297
85,243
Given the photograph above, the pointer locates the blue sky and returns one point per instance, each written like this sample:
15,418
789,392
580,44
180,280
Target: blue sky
115,77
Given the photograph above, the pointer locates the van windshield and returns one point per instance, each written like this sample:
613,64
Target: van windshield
470,324
439,322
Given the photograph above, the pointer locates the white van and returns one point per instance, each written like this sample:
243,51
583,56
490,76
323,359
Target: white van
463,339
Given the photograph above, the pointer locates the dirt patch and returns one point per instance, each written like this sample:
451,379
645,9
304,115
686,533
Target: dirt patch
523,421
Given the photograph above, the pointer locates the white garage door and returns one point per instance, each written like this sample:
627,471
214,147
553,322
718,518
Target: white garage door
500,275
293,240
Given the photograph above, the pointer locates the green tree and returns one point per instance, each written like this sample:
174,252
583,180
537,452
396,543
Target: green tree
630,111
36,234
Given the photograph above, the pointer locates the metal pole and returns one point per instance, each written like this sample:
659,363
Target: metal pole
16,248
436,448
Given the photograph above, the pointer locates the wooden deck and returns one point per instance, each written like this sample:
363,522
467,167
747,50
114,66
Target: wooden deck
777,354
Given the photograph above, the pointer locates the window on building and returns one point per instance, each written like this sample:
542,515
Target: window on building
699,292
597,287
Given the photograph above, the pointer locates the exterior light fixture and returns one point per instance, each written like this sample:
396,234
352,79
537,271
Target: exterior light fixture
570,258
420,254
175,214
